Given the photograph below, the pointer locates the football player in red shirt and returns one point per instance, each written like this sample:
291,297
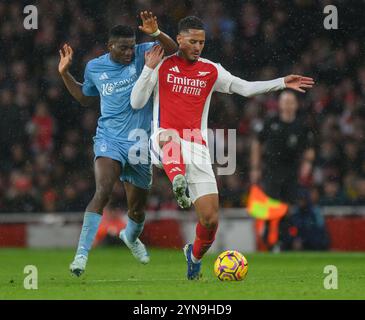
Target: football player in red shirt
182,85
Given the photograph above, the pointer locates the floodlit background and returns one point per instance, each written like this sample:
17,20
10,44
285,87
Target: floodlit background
46,173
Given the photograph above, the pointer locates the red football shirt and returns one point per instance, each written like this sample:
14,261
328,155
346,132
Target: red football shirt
183,95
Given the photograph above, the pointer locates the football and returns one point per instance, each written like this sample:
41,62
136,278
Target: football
231,265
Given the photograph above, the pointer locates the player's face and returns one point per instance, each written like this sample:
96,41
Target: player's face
122,49
288,103
191,43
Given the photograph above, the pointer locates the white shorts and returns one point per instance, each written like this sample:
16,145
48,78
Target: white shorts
199,172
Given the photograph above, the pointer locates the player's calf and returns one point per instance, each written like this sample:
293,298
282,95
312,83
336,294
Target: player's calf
203,240
206,229
88,232
205,236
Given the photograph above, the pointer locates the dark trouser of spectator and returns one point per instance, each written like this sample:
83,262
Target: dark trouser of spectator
305,229
279,183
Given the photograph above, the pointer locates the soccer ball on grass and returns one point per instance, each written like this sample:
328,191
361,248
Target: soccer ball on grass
231,266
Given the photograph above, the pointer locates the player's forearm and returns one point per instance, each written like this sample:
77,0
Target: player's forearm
75,89
167,43
142,89
251,88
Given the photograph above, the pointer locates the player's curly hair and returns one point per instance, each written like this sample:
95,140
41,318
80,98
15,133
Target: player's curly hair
190,22
121,31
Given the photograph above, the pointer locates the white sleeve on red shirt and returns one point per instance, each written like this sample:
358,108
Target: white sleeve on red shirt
227,83
144,87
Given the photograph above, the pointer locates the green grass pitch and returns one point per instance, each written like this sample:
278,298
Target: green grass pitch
112,273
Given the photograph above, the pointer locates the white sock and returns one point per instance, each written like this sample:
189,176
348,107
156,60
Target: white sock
195,260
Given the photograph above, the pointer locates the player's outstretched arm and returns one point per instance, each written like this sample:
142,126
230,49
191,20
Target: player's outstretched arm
146,82
252,88
150,27
74,87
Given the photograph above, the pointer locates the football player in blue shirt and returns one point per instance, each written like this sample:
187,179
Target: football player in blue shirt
112,76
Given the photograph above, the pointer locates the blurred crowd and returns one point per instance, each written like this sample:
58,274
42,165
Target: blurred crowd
46,158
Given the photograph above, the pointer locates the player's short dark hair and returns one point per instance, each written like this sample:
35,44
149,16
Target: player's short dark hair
190,22
121,31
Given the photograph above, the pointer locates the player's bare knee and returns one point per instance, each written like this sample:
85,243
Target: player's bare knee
103,193
100,199
210,219
210,223
136,211
137,215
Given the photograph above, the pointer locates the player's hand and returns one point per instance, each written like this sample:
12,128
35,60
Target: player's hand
149,22
297,82
154,56
66,54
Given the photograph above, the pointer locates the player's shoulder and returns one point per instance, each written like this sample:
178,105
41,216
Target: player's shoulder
96,62
145,45
209,64
170,58
207,61
167,61
174,58
141,48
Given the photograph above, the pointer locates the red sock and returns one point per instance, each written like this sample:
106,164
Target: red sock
203,240
172,160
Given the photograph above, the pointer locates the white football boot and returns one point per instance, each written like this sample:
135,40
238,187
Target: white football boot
137,248
179,186
77,267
